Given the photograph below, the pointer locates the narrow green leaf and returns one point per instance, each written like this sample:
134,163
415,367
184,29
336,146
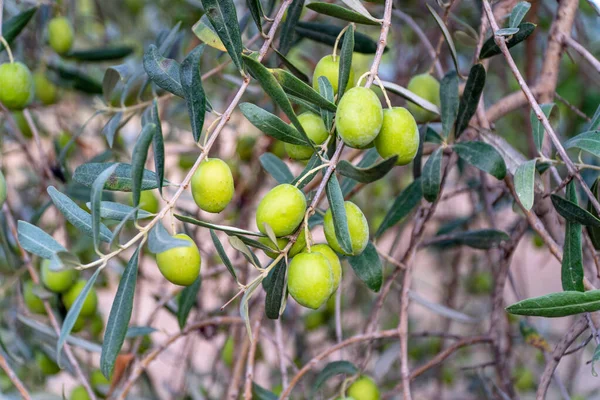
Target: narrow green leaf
276,290
256,11
332,369
73,313
286,38
490,48
137,331
108,53
449,101
326,90
572,261
222,254
120,180
244,305
367,266
345,66
260,393
338,211
223,17
357,6
36,241
159,240
470,98
158,145
536,125
482,156
559,304
271,124
191,83
403,205
333,10
594,232
112,126
313,162
115,77
586,141
75,78
118,211
299,89
13,26
80,218
447,36
431,177
328,33
164,72
95,199
227,229
276,168
295,70
204,30
478,239
369,174
187,299
595,122
138,160
238,244
410,96
518,13
574,213
119,317
117,231
369,158
525,183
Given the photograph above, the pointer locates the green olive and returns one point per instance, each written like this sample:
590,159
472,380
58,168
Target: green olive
310,279
46,364
89,304
180,265
427,87
79,324
330,69
524,379
399,135
227,352
63,140
57,281
315,130
364,388
297,247
244,147
282,209
96,325
334,261
212,185
60,34
357,226
16,85
45,91
79,393
359,117
314,320
148,201
3,190
32,301
22,124
99,383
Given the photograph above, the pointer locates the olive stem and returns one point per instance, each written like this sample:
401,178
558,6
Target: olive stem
311,172
362,77
7,47
387,99
337,41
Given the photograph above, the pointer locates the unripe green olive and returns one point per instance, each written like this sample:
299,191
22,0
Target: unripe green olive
22,124
45,91
2,189
227,352
399,135
32,301
60,34
212,185
296,248
96,325
244,147
310,279
16,85
63,139
315,130
79,324
314,320
364,388
427,87
79,393
46,364
524,379
357,226
334,261
282,209
359,117
89,304
180,265
148,201
330,69
57,281
99,383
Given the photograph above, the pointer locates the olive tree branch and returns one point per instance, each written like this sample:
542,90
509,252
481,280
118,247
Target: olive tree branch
593,61
3,363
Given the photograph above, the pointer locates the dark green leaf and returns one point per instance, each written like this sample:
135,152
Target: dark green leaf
595,122
345,67
431,178
470,98
95,199
518,13
327,33
482,156
525,183
256,11
295,70
432,136
187,299
559,304
314,162
137,331
191,83
490,48
76,79
164,72
260,393
158,145
586,141
332,369
572,261
276,290
333,10
367,266
100,54
403,205
271,124
277,168
478,239
326,91
227,229
120,180
573,213
447,36
222,254
118,211
301,90
410,96
338,211
223,17
536,125
449,101
13,26
120,314
369,174
286,38
594,232
160,241
111,127
80,218
115,77
36,241
138,160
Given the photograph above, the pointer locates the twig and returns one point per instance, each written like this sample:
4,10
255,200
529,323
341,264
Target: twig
593,61
281,351
3,364
385,27
251,359
572,107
